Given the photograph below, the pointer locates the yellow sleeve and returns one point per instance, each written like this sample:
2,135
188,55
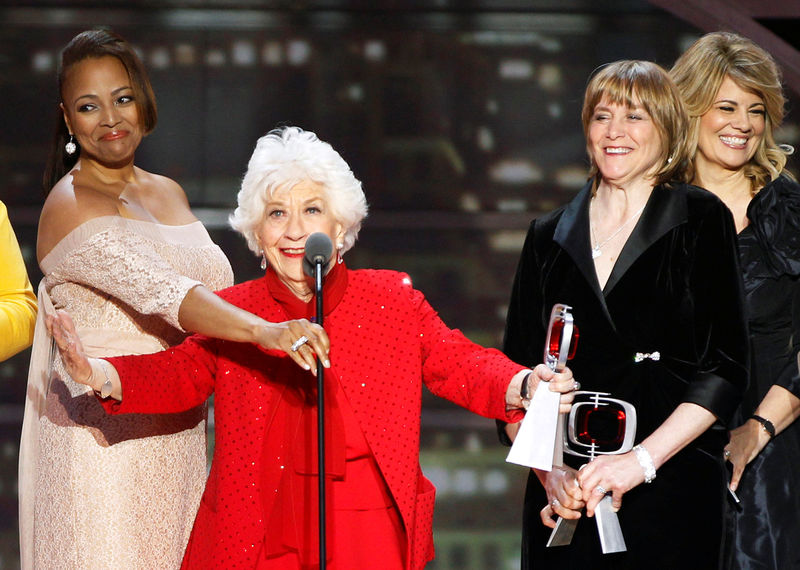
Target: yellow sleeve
17,301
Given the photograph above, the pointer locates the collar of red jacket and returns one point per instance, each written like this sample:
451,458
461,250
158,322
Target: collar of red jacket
334,285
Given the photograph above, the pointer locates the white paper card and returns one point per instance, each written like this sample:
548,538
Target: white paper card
533,447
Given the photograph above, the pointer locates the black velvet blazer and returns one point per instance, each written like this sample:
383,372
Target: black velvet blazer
675,289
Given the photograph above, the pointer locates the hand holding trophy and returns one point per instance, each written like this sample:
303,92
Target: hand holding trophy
538,443
596,425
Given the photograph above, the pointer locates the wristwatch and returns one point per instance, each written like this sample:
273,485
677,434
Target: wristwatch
765,423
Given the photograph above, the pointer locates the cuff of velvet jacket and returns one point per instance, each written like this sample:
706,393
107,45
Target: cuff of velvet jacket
716,394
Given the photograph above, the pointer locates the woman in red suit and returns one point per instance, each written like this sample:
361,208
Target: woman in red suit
259,509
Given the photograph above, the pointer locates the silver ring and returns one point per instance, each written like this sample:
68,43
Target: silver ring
299,342
554,503
600,489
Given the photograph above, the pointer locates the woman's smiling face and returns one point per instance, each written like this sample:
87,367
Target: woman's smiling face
290,216
732,129
100,110
624,143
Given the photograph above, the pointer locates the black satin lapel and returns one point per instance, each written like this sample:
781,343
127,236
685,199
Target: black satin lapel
665,210
572,234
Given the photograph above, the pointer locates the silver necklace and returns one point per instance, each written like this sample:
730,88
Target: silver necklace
597,250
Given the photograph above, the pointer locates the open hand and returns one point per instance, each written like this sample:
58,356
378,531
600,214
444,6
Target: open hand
69,345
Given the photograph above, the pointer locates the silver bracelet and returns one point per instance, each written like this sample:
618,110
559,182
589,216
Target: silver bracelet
646,462
107,387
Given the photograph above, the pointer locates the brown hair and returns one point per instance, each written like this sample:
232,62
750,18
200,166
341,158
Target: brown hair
634,82
90,44
699,73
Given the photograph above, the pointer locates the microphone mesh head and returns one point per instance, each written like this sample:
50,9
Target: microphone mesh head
318,248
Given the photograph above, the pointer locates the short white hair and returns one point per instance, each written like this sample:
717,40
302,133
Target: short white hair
285,157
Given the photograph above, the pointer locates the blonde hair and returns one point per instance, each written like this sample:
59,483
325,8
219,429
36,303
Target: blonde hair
699,73
282,159
632,83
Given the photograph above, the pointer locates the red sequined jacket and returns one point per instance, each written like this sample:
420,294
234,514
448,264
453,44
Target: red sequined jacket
386,341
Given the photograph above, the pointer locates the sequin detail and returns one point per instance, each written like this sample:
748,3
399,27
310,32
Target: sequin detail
381,361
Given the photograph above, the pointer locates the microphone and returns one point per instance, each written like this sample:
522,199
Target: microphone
318,250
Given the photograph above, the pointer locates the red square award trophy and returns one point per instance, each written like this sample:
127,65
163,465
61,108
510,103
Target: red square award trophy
596,425
539,440
560,346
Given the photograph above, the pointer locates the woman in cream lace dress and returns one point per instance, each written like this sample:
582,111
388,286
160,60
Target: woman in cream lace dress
122,252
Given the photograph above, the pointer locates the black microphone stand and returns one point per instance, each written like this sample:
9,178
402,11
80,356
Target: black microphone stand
318,271
318,249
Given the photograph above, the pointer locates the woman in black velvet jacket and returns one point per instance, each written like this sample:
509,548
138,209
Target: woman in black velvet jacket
650,269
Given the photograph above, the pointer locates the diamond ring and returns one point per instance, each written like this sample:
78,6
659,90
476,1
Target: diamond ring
299,342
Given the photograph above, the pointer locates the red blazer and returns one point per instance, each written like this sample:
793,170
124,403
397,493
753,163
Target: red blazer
386,341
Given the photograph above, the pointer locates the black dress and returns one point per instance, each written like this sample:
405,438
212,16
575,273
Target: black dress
767,527
676,290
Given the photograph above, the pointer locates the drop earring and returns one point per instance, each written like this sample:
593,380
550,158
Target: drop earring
70,147
339,247
263,261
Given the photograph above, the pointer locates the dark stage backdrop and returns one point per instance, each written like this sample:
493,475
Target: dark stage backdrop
462,124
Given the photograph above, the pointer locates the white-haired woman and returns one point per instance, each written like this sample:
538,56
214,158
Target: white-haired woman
259,509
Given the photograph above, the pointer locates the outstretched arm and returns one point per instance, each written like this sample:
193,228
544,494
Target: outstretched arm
204,312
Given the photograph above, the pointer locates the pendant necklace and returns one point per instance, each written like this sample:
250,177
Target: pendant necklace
597,250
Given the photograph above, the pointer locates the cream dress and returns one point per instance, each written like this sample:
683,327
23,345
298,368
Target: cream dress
99,491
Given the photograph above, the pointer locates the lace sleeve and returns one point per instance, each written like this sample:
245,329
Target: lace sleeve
126,266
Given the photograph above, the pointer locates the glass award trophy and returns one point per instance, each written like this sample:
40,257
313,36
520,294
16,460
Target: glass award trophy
560,346
596,425
539,439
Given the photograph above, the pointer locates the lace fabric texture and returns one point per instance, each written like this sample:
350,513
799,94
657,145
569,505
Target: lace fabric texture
98,491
